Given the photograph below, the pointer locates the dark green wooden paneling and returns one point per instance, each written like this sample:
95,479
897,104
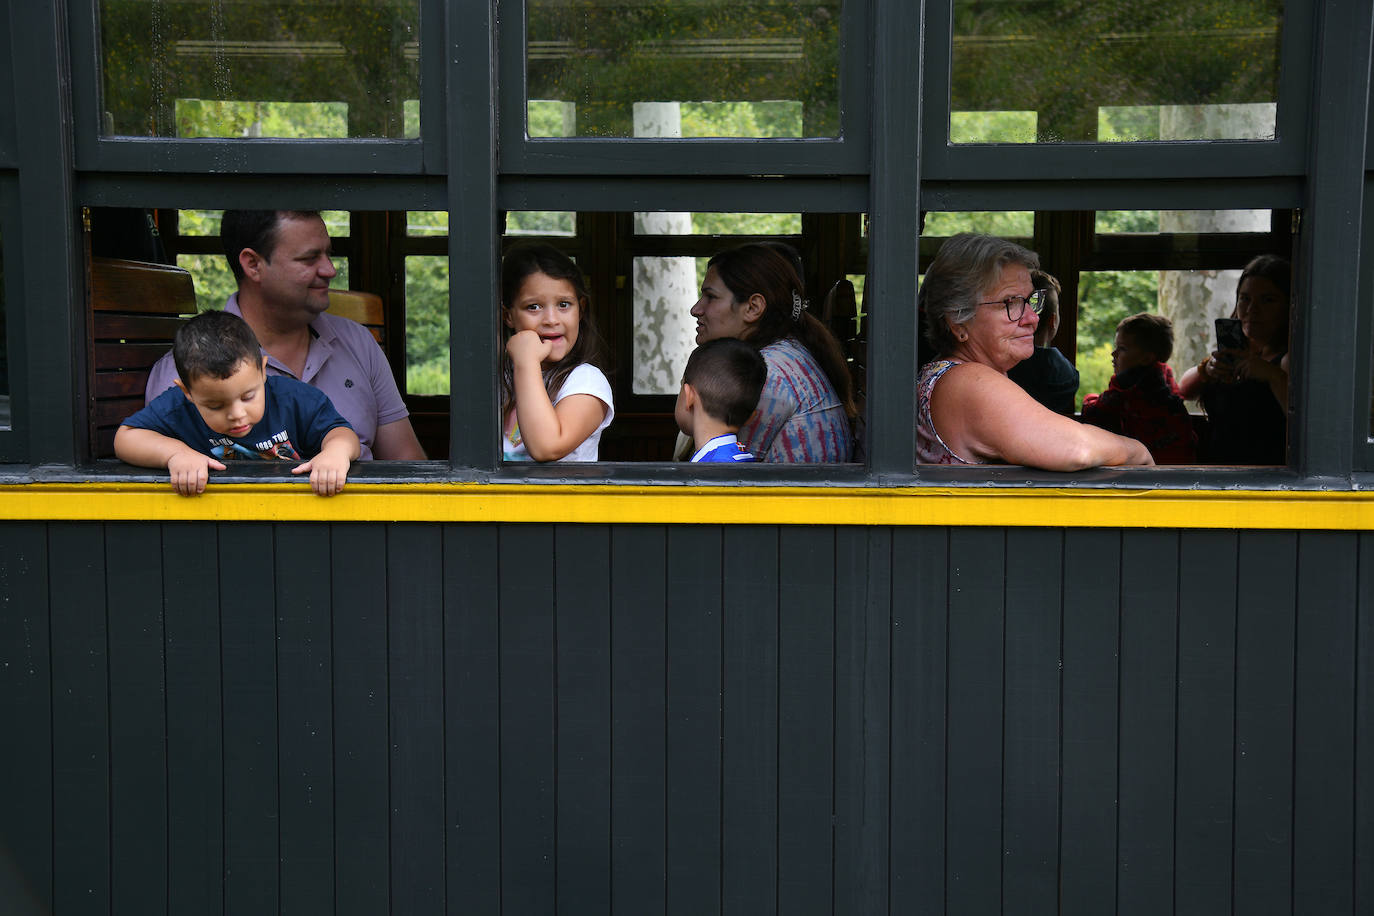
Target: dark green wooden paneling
806,719
584,757
638,709
305,733
973,819
138,722
26,703
80,720
1324,728
1364,730
919,693
749,798
472,710
695,592
687,719
415,651
1030,772
1146,742
1206,722
248,630
1089,721
361,696
1266,586
526,580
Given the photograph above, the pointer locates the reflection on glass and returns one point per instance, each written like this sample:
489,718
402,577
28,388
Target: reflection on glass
1121,71
683,68
275,68
1191,299
665,289
1121,222
541,222
427,355
718,224
1008,224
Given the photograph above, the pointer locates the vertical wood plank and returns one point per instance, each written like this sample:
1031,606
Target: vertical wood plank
1206,722
1324,735
863,644
693,634
305,737
1364,730
750,714
1088,813
361,695
414,599
528,884
1266,589
472,704
196,796
81,716
973,829
26,708
138,725
920,691
249,632
1030,775
639,706
1149,662
806,719
583,666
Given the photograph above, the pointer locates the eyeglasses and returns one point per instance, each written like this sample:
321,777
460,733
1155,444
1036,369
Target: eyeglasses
1016,305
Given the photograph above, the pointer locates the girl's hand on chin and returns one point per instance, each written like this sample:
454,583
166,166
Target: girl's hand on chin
526,346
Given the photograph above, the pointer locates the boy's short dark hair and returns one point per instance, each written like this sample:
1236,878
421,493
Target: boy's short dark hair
214,345
255,229
727,375
1152,333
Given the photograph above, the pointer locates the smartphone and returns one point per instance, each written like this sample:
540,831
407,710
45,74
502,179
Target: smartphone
1230,335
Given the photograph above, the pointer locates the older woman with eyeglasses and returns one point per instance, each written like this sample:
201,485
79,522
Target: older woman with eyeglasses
981,311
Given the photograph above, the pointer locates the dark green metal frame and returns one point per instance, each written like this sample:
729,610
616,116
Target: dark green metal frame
892,160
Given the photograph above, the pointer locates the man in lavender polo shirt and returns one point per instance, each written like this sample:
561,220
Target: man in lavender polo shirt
281,261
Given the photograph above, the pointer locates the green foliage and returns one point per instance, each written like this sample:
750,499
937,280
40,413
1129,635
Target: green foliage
292,120
1107,296
1004,224
427,311
992,126
1094,371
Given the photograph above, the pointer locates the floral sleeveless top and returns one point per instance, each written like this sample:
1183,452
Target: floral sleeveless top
930,448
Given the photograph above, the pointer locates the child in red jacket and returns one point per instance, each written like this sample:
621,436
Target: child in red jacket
1142,399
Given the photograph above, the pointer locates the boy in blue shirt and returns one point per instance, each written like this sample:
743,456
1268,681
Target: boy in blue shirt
720,392
225,406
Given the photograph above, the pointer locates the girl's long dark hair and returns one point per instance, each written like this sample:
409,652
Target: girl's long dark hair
536,258
758,268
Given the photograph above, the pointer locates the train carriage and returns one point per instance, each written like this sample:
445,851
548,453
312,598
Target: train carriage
631,686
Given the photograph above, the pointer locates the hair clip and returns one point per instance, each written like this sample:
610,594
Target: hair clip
798,305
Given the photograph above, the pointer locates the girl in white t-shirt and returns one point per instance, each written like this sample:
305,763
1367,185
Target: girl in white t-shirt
555,400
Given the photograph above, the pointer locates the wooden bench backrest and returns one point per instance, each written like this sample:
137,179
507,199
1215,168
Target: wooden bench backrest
364,308
136,308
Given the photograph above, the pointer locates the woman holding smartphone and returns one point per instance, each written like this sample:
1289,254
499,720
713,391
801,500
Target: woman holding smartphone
1244,390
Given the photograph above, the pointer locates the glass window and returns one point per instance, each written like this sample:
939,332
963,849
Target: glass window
718,224
683,68
1010,224
5,415
427,352
204,68
1062,70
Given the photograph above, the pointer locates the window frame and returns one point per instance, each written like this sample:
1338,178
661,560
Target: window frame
847,154
886,164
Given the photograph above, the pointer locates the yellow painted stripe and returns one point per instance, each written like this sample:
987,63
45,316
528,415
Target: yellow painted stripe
459,502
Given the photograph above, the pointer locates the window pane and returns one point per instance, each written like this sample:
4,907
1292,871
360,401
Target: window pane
1120,71
541,222
427,356
683,68
1191,299
215,283
1120,222
717,223
1006,223
427,222
204,68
